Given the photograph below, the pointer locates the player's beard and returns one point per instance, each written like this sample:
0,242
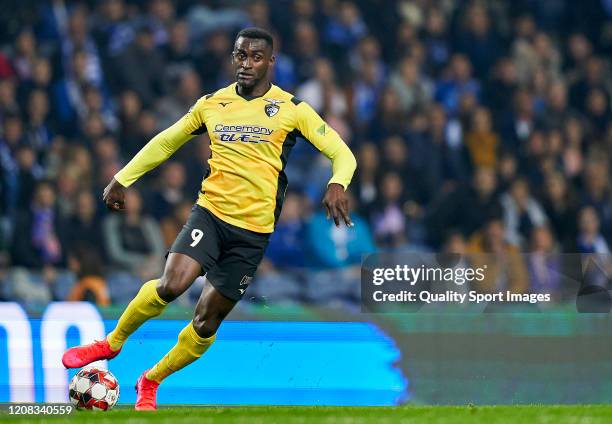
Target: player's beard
251,83
247,85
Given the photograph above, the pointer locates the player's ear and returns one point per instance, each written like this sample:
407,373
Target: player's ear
272,59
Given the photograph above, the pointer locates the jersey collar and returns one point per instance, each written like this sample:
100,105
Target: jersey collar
249,98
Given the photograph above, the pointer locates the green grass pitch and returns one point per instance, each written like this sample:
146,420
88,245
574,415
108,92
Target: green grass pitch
544,414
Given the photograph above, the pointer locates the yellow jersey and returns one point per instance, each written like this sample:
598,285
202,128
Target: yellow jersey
251,139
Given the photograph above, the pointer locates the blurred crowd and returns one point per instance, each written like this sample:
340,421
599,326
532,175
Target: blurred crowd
479,126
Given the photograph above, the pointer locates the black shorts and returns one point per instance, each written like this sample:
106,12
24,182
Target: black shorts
229,255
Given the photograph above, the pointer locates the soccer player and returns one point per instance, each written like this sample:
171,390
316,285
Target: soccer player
252,125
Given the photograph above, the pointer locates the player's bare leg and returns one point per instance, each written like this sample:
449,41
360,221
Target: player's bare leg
179,274
193,341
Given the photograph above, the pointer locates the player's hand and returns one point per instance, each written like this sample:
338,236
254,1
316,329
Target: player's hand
336,204
114,196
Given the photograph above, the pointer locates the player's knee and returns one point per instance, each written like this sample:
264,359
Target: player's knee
205,326
172,284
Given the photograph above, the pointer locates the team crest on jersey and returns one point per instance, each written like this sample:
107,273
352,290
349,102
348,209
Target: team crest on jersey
273,107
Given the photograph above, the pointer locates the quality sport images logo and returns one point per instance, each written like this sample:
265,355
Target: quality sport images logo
242,133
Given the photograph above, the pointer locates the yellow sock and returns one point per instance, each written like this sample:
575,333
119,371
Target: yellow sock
189,347
147,304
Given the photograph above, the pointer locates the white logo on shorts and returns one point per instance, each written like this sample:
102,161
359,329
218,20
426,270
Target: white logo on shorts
245,280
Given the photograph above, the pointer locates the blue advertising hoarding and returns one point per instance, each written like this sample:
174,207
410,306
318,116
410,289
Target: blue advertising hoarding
279,363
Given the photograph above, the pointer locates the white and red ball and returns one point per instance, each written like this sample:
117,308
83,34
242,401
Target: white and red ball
94,388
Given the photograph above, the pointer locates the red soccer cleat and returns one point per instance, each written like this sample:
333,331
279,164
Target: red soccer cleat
146,393
79,356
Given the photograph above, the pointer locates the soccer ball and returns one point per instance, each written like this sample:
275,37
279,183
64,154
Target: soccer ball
94,388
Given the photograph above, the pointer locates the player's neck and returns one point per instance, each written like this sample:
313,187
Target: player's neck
256,91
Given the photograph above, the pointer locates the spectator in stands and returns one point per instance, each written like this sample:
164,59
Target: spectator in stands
39,80
505,267
38,250
210,60
29,172
507,170
259,13
560,207
343,29
83,229
389,219
536,52
459,82
597,111
171,191
38,131
522,213
518,125
579,50
39,233
94,103
396,157
133,240
284,68
590,73
106,151
482,142
11,138
367,50
478,40
8,98
329,246
305,49
414,90
112,29
544,264
335,254
596,191
161,14
467,207
286,247
590,239
366,89
87,62
365,181
130,108
68,93
445,153
501,86
557,111
185,91
177,52
141,65
25,54
322,92
436,40
389,119
90,285
453,255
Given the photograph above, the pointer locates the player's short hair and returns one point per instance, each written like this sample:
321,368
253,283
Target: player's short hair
257,34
